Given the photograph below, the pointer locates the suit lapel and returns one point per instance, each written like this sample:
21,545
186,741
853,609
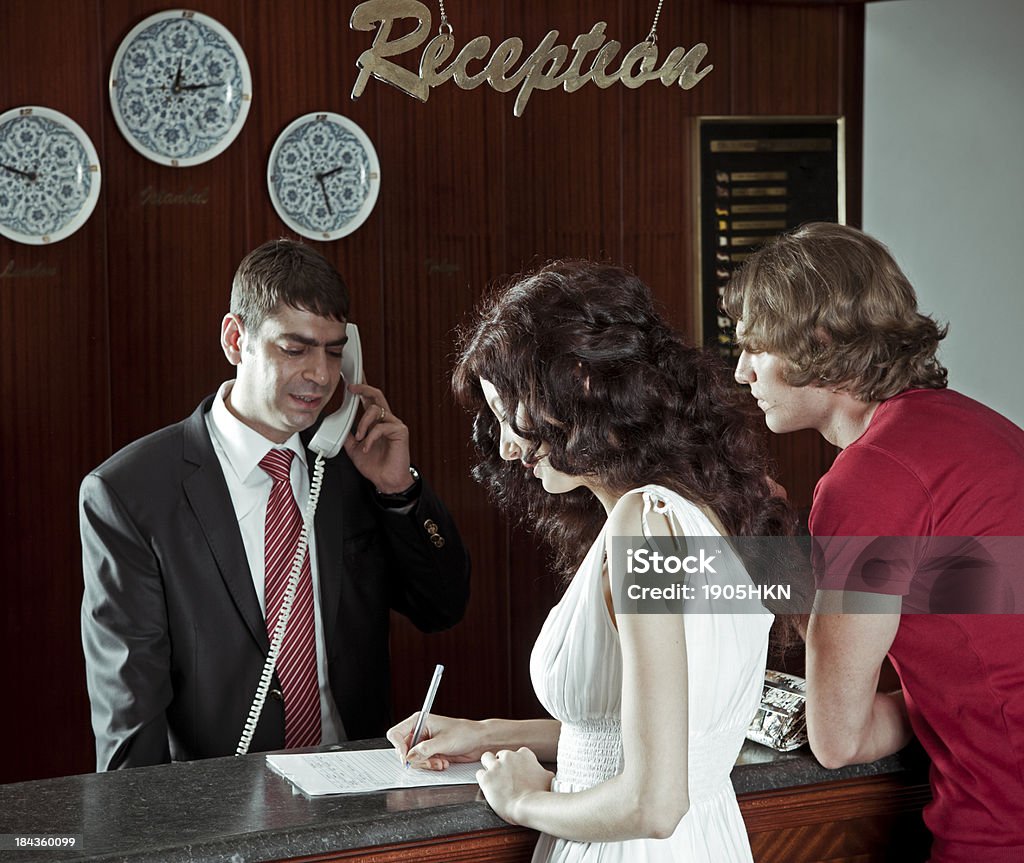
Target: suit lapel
208,496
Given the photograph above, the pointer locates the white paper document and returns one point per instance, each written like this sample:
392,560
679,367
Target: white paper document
362,772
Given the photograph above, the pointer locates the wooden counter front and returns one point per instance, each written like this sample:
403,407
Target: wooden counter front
875,818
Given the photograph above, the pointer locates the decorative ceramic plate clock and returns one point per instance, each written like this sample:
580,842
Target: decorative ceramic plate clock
180,88
49,175
323,176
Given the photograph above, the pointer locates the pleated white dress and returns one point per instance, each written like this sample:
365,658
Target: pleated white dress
576,669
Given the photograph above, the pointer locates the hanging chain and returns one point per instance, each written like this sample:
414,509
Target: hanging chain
652,37
444,27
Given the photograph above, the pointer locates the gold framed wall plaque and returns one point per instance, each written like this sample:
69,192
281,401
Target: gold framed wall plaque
757,177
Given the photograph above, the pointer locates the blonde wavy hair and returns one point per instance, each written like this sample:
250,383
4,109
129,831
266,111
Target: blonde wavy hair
833,302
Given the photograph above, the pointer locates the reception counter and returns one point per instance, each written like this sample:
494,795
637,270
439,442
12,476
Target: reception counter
237,809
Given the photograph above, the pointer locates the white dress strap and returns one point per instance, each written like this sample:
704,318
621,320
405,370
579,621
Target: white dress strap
684,516
654,502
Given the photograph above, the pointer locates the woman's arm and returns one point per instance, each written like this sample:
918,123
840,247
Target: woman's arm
445,740
649,798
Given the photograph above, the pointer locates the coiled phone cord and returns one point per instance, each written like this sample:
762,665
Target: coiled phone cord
285,611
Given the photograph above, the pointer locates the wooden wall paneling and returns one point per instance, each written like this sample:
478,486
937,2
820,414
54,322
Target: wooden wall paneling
443,216
563,167
170,264
657,186
54,422
533,589
787,60
801,458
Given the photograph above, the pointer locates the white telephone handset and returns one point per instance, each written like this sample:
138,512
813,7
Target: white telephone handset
327,443
330,437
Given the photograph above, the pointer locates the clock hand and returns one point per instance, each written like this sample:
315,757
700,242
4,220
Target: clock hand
185,87
31,175
176,86
320,180
332,172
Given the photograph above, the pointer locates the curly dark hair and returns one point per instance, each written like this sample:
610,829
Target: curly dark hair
833,302
615,393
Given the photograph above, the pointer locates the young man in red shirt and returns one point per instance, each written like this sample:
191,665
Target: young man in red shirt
832,340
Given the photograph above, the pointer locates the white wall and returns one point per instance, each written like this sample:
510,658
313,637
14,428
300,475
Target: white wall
944,176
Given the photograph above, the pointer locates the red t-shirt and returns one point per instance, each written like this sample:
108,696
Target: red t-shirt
934,463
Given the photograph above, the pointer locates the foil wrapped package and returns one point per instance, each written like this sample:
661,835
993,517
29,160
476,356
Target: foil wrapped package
781,718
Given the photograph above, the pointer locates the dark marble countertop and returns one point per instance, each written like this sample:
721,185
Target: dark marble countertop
237,809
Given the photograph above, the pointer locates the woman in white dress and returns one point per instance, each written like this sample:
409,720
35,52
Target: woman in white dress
594,420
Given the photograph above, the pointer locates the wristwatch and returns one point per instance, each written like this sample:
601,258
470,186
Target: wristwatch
397,500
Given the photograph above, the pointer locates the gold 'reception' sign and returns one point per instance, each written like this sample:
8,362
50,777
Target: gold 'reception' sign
544,69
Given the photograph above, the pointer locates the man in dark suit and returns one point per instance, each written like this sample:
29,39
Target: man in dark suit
176,536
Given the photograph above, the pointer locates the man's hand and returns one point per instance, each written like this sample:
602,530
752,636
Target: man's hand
379,446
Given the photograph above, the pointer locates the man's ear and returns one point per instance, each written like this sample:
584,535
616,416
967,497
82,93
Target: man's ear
231,336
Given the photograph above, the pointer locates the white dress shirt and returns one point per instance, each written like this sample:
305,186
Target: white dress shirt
240,450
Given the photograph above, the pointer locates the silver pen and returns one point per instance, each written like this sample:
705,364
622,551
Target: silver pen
428,703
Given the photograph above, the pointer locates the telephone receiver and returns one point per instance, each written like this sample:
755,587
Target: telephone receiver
327,442
330,437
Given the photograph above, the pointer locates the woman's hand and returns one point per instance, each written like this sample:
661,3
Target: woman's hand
507,778
443,741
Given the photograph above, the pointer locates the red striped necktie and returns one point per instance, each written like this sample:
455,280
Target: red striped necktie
296,663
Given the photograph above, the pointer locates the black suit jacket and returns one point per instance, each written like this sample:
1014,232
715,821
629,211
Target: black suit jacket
173,634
